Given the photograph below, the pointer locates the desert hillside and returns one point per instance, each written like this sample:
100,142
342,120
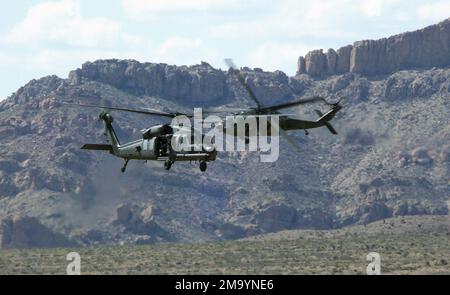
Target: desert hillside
390,159
407,245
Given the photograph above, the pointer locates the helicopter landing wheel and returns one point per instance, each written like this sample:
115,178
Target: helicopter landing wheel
124,168
203,166
168,165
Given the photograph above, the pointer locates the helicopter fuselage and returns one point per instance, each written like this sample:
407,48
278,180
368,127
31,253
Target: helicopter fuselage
159,149
159,143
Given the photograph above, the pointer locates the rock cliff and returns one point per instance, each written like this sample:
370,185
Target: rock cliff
425,48
200,83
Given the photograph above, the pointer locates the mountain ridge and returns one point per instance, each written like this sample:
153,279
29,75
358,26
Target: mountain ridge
424,48
391,157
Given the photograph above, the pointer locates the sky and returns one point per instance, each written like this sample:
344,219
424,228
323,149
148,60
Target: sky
40,38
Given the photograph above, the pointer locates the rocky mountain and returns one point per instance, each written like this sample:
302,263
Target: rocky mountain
391,157
197,84
429,47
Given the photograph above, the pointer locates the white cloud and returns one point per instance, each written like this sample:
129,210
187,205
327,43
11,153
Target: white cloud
150,9
56,59
61,61
61,22
233,30
183,51
372,7
175,47
319,18
375,8
434,11
171,5
7,60
55,36
294,19
348,20
22,67
276,56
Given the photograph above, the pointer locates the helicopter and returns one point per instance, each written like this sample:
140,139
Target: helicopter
157,142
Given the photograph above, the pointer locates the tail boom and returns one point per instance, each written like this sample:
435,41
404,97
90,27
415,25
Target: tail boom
324,120
98,147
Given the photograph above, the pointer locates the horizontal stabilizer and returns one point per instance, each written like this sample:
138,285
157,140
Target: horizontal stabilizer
98,147
332,130
324,119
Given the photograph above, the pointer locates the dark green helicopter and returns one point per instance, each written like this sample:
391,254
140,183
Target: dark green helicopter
157,141
286,123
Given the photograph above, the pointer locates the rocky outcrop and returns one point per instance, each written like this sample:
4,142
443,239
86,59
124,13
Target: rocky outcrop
331,61
421,156
230,231
140,220
359,136
28,232
200,83
343,59
301,65
269,87
34,91
429,47
403,84
375,211
316,62
7,186
276,218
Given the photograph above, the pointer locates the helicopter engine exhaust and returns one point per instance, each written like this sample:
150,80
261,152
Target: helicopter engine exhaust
106,117
156,131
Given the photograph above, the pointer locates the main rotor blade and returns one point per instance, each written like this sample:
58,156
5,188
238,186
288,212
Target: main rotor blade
244,112
294,103
271,109
225,110
293,143
289,139
145,112
229,62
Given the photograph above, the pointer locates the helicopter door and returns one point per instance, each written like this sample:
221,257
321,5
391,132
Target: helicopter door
146,148
161,147
149,149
